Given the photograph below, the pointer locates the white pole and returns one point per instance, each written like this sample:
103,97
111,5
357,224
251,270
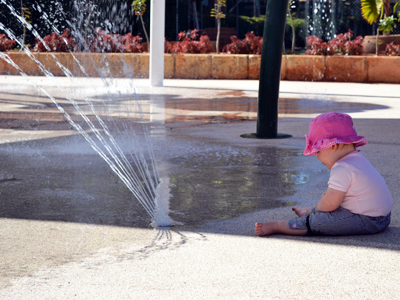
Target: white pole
157,33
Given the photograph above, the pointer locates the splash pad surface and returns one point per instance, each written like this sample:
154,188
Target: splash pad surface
65,214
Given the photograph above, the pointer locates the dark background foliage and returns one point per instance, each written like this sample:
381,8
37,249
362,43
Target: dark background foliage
116,17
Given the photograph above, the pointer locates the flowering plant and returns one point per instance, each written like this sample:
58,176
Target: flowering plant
188,44
5,43
112,43
392,49
342,44
251,44
56,43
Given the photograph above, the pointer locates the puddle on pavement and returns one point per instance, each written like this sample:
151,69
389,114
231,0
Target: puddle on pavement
227,183
235,106
33,111
40,182
64,187
207,184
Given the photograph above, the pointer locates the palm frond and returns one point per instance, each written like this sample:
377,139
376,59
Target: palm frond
371,9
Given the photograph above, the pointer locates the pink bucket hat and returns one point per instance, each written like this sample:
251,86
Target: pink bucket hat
329,129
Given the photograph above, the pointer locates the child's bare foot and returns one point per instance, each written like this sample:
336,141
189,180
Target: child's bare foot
280,226
264,228
302,211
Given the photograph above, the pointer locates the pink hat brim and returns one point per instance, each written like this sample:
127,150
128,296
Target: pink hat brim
326,143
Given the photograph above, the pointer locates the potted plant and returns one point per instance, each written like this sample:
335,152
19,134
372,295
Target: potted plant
380,11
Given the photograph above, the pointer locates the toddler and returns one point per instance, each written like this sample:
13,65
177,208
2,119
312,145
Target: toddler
357,200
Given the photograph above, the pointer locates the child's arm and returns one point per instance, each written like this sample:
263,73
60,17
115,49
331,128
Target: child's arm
330,200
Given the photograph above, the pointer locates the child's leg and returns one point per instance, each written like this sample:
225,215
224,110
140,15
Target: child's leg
273,227
302,211
343,222
282,226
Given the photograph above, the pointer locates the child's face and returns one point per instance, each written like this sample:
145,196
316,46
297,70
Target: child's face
327,157
331,155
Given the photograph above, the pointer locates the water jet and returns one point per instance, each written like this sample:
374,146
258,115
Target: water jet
97,123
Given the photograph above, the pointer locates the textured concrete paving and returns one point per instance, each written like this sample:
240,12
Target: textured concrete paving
59,239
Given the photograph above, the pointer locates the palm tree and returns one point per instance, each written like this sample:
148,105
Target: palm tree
290,3
218,14
26,14
373,10
256,8
92,6
139,7
195,17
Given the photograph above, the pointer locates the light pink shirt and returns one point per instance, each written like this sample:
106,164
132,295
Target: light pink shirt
366,190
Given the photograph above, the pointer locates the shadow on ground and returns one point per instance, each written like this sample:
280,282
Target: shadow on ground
244,225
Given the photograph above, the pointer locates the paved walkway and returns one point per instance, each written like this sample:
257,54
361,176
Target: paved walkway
219,185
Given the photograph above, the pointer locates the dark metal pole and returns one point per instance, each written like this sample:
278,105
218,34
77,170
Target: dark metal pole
270,69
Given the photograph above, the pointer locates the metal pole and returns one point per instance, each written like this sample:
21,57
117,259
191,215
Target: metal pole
270,69
157,33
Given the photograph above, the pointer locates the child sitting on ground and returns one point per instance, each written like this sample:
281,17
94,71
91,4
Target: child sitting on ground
357,200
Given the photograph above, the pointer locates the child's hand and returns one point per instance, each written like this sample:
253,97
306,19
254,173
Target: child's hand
302,211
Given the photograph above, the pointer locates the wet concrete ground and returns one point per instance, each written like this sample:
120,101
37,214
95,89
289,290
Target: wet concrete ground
66,181
60,202
63,180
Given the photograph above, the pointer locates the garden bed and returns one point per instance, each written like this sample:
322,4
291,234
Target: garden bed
337,68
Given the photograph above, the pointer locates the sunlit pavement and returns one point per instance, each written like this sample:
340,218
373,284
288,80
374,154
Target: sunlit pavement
70,229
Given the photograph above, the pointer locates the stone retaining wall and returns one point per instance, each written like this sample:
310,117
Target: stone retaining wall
369,69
